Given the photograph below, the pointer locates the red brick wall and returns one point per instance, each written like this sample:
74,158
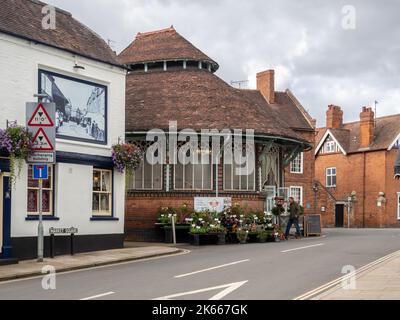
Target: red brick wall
141,208
367,174
305,179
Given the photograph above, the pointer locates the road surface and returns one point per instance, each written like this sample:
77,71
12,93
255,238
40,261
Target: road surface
282,270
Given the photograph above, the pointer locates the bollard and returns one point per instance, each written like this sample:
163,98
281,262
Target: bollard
173,229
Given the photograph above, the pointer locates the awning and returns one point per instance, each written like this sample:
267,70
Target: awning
397,167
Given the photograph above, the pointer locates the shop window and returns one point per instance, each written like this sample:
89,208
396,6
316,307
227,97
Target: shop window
331,177
146,177
243,182
33,194
102,192
297,194
193,176
296,166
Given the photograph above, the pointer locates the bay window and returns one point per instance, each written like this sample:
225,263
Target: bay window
102,192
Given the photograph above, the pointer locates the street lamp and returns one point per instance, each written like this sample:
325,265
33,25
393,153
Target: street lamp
228,140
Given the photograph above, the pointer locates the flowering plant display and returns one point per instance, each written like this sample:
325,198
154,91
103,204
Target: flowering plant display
17,141
165,214
126,157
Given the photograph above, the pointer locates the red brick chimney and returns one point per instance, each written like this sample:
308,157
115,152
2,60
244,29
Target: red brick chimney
367,127
334,117
266,85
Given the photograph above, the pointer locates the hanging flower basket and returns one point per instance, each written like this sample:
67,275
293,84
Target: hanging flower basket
126,157
17,141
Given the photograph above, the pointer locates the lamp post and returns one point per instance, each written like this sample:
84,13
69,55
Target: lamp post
217,163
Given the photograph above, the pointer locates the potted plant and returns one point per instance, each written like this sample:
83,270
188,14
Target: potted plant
126,157
199,235
220,232
17,142
263,235
242,235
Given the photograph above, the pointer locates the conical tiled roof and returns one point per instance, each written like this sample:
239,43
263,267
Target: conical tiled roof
161,45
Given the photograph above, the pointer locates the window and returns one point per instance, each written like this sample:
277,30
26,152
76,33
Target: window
330,146
33,194
296,166
297,194
193,176
147,177
102,192
331,177
232,181
398,205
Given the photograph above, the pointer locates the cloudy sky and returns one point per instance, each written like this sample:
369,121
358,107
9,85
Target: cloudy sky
324,51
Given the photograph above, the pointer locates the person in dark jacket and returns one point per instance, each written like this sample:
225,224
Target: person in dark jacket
294,210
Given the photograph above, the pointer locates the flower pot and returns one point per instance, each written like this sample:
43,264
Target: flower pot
221,239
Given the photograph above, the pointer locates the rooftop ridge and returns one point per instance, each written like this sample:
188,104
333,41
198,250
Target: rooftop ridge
358,121
41,3
149,33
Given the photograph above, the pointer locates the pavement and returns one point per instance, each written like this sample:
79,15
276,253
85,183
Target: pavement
29,268
379,280
262,271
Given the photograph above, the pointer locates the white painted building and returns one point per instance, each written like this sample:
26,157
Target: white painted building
88,84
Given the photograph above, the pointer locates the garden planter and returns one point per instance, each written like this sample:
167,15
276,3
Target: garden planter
204,239
221,239
262,240
181,231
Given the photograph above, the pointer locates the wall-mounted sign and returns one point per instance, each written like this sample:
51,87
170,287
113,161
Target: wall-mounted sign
81,107
212,204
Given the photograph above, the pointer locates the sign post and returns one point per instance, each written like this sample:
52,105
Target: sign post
40,120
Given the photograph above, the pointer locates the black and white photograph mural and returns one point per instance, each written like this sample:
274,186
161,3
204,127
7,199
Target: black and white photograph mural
81,107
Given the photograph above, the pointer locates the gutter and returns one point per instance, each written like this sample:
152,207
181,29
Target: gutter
305,144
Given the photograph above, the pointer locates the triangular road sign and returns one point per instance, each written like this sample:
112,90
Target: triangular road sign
40,118
228,288
41,142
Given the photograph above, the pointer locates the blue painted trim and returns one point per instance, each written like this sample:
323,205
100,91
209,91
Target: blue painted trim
4,163
54,74
7,248
45,218
85,159
104,219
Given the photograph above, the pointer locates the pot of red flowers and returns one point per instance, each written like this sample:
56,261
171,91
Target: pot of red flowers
17,142
126,157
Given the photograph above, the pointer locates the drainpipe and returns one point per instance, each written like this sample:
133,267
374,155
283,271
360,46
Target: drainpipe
363,206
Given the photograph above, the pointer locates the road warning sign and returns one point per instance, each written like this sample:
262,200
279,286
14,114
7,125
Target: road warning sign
40,118
41,142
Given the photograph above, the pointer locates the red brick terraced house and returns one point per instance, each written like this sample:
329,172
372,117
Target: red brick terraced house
354,170
171,80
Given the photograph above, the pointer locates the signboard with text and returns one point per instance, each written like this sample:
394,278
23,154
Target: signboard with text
211,204
40,120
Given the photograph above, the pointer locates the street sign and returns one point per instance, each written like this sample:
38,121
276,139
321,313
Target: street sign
40,171
41,157
40,120
41,141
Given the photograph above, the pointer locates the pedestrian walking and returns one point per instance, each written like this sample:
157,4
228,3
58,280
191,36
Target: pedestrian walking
295,212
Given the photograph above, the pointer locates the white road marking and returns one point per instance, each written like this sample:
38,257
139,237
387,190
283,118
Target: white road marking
212,268
301,248
98,296
228,289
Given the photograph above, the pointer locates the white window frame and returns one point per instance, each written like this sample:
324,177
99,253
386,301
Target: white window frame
330,146
141,167
232,171
51,190
398,205
330,175
202,177
301,193
300,170
100,213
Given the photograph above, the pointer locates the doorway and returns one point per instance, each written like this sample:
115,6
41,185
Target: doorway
339,215
5,216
